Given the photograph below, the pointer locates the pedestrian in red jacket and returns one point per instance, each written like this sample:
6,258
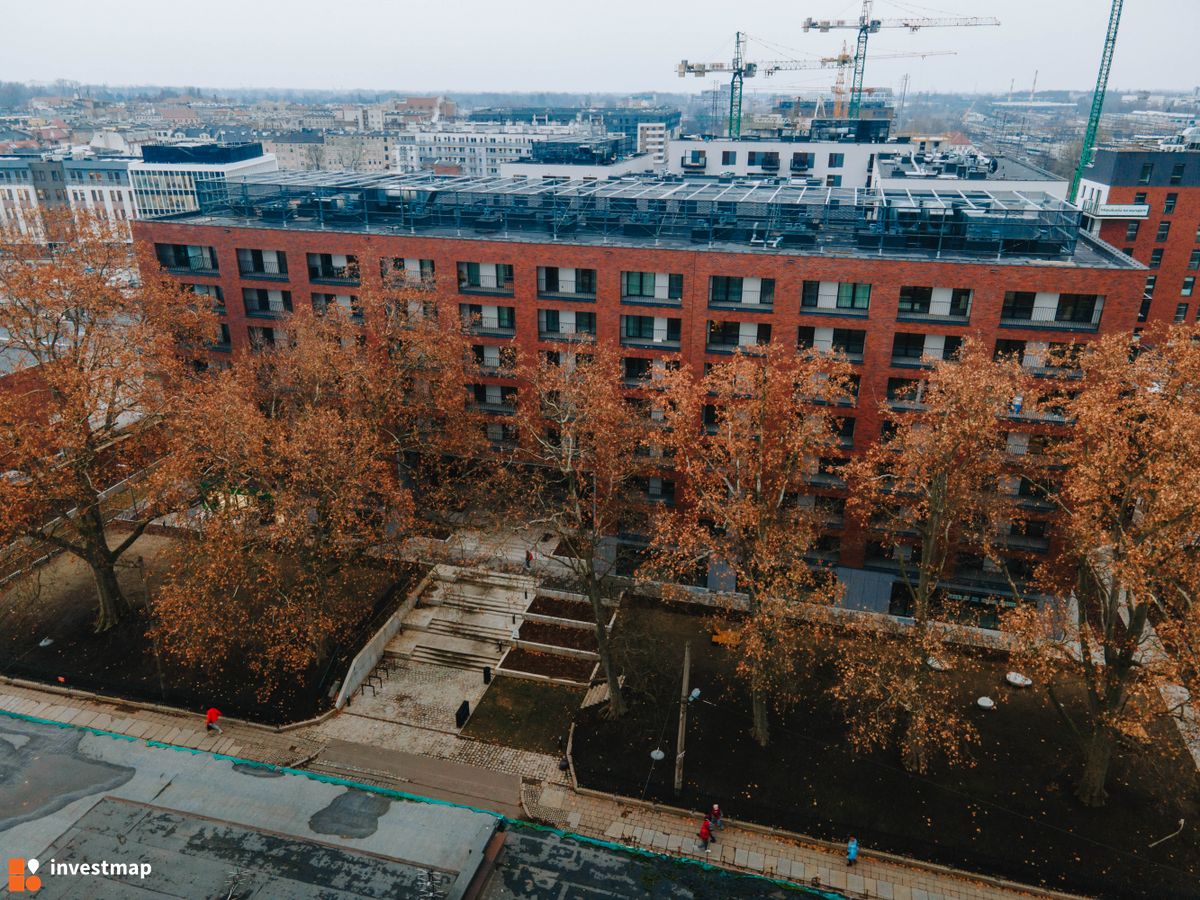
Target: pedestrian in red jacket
210,720
706,835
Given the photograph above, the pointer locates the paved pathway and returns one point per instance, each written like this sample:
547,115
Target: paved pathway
382,752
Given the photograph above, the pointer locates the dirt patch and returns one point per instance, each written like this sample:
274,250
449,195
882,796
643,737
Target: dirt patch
562,609
530,715
1012,814
520,660
559,636
46,635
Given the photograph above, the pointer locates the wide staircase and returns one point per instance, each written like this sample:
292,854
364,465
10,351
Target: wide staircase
466,621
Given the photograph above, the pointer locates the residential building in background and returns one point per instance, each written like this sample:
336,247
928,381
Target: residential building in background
1146,201
698,268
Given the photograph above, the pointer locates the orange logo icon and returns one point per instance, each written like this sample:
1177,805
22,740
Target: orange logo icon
18,881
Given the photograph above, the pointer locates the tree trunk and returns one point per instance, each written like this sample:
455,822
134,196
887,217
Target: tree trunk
762,725
616,703
915,757
1097,754
112,603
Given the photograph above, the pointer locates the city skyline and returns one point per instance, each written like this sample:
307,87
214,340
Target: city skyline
631,48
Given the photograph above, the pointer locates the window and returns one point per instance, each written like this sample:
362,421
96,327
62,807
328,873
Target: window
1144,311
802,162
224,339
1007,348
837,160
833,181
261,302
642,284
1076,308
729,157
908,347
1169,204
1139,198
1147,173
1177,173
553,280
1131,231
763,158
642,328
849,341
728,290
915,299
1156,258
853,295
1018,305
1181,311
1189,285
1164,231
1194,260
809,294
1151,283
485,276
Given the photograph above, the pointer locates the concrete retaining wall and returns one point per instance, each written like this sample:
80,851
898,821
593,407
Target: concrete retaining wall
368,657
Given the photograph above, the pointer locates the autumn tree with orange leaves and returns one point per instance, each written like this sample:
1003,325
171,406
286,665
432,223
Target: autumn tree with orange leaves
580,470
748,502
1128,569
107,353
302,497
930,490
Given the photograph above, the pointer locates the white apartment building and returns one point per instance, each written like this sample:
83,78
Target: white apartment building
832,163
475,150
101,187
18,198
654,139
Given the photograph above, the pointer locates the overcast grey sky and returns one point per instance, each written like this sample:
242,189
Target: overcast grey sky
600,45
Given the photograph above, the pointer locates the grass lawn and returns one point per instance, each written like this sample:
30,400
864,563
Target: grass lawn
530,715
1011,814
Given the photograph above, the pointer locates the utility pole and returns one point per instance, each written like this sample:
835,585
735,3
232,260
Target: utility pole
683,705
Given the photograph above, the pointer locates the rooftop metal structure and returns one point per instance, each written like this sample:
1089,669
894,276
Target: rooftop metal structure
764,215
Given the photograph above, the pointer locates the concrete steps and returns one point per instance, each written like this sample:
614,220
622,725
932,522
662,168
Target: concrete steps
452,659
471,630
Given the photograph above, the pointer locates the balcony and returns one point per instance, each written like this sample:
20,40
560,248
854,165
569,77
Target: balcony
1026,542
693,164
1048,322
333,275
265,271
952,318
501,289
573,337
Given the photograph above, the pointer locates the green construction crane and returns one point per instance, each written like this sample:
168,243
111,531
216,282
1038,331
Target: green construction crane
868,25
1093,125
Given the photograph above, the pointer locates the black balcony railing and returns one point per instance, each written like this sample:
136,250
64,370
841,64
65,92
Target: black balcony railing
270,271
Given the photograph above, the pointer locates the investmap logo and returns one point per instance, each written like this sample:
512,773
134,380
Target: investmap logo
23,877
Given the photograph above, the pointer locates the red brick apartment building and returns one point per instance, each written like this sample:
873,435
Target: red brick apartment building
893,279
1147,203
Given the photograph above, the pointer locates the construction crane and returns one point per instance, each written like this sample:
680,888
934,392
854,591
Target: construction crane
1093,125
740,69
868,25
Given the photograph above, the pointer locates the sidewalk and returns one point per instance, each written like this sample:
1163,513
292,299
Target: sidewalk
545,793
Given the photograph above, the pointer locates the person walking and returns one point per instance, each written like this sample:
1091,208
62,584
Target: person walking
852,851
715,817
528,559
210,720
706,835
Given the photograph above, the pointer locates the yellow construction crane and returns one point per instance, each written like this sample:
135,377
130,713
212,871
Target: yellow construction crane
868,25
740,69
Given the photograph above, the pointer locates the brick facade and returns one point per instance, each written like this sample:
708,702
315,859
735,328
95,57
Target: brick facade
1121,288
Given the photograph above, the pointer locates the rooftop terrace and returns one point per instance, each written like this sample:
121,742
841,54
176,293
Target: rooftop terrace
951,222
